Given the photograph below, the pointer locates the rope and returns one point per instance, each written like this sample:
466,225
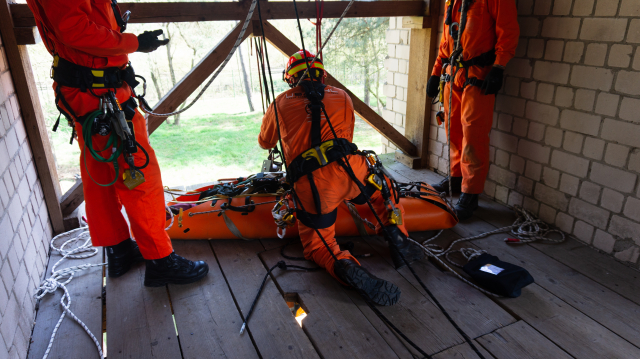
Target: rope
59,279
215,75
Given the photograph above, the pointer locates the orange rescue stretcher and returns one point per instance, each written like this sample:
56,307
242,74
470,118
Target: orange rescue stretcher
250,215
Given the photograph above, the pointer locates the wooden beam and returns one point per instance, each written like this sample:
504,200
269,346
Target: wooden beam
224,11
32,117
27,35
422,53
286,47
192,80
72,198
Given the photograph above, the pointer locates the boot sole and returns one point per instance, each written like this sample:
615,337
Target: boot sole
379,291
162,282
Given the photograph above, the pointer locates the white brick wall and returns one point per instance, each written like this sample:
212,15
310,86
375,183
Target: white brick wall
25,231
566,135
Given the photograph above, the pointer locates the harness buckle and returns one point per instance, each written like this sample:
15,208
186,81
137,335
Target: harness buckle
319,153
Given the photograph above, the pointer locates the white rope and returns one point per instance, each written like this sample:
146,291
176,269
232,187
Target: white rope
59,279
215,75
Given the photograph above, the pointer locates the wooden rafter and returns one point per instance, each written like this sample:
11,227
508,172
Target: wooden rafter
224,11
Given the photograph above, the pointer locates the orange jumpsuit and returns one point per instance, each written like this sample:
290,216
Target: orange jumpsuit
85,32
491,24
333,183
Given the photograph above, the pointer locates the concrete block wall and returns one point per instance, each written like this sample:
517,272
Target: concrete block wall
565,142
25,230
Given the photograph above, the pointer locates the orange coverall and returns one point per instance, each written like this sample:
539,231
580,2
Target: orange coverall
85,32
491,24
333,183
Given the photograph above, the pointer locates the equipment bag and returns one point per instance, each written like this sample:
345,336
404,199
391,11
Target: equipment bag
500,277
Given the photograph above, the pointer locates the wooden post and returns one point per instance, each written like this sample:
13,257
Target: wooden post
286,47
32,116
422,54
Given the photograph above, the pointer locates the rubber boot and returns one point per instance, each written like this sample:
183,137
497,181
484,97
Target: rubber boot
466,205
374,289
443,186
173,269
121,257
399,244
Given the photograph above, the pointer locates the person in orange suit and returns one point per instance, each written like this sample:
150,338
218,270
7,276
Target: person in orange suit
488,32
320,193
90,49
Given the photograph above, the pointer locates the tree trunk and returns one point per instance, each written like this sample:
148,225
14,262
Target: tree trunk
367,83
245,79
376,93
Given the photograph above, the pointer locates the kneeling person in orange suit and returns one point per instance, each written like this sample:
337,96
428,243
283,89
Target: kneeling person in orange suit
90,67
478,40
319,191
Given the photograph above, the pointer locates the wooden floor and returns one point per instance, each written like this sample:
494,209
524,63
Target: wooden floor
583,305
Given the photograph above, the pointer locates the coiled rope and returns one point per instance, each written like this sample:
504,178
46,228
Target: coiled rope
59,279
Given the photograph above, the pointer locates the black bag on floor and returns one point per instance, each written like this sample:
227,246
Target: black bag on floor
497,276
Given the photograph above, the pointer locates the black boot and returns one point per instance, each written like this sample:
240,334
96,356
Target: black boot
173,269
399,244
466,205
443,186
377,290
121,257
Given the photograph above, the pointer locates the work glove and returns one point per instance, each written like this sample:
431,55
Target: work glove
433,86
148,41
493,82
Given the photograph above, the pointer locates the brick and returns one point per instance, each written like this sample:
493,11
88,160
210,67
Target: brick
528,26
630,109
593,148
583,231
392,22
542,7
550,177
585,99
590,192
502,158
6,234
621,132
551,197
607,7
504,141
630,254
511,105
388,115
616,155
393,36
400,106
561,28
12,142
589,213
603,29
564,222
545,93
6,86
583,7
531,205
520,127
10,321
562,7
402,66
564,96
536,48
525,7
528,89
573,51
490,188
635,65
573,142
542,113
625,229
614,178
627,82
502,194
580,122
565,162
512,86
607,104
15,212
402,52
593,78
604,241
553,137
389,90
634,161
404,37
519,68
533,151
516,164
502,176
634,31
547,214
629,8
521,49
632,209
22,280
551,72
596,54
569,184
515,199
533,170
401,80
24,192
536,131
524,186
554,50
504,122
620,55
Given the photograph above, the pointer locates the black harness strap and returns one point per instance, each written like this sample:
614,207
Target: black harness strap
314,91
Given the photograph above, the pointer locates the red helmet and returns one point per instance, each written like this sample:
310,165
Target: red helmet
298,64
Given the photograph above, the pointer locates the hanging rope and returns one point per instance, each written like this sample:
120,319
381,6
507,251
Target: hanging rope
59,279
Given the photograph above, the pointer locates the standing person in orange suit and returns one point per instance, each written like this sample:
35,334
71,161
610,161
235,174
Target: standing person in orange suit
323,186
90,49
479,38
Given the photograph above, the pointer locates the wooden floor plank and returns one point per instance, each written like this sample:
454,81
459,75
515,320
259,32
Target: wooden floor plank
71,341
464,351
272,325
334,324
470,309
206,315
139,321
521,341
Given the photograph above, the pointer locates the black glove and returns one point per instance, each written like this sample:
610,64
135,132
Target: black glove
493,82
433,86
148,41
